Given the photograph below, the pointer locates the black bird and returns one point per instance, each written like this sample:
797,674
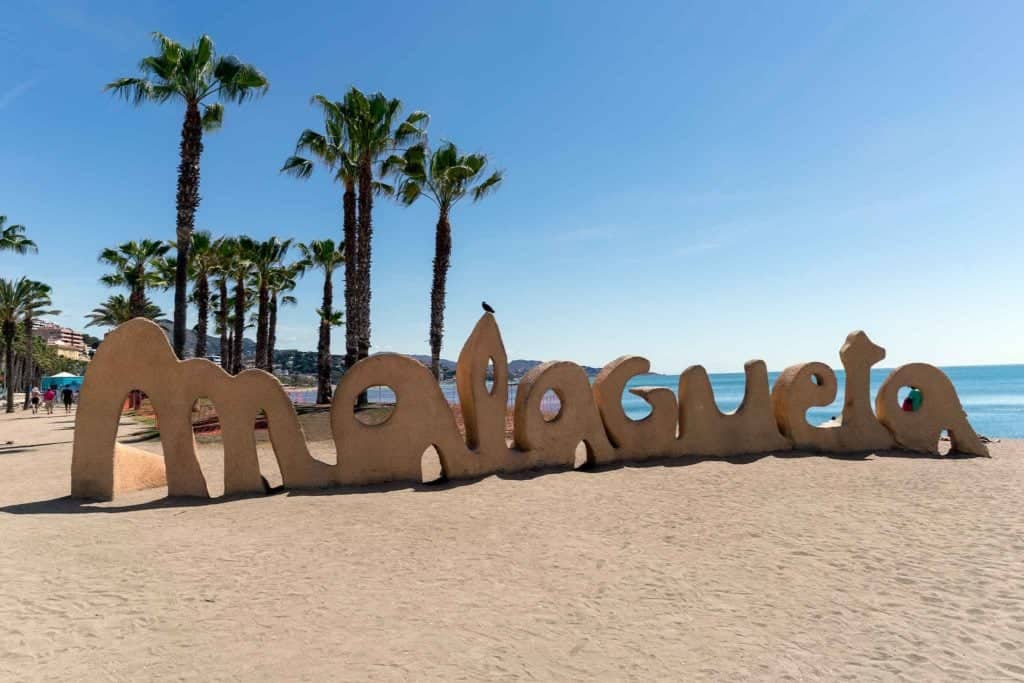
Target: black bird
487,307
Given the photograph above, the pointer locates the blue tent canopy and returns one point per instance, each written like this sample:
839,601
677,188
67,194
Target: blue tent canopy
61,380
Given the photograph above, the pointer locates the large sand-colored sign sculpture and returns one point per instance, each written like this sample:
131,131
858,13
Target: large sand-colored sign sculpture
137,356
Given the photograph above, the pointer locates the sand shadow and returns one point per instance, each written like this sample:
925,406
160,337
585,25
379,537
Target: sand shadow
66,505
69,505
26,447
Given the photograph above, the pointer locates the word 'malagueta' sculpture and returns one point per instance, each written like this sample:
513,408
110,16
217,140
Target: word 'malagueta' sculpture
137,356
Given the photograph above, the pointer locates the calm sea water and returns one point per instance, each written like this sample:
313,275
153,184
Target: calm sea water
992,395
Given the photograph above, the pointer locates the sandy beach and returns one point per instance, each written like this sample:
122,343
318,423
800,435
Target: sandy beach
872,567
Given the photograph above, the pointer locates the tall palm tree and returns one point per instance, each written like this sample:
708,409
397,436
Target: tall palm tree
239,269
203,253
36,307
194,75
283,280
266,257
136,266
374,131
12,238
445,177
333,148
116,310
323,254
224,255
16,299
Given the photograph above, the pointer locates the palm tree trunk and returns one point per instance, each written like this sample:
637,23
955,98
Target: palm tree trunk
203,306
8,330
30,369
226,356
261,327
137,296
236,347
351,276
187,203
365,255
323,346
442,260
222,320
272,333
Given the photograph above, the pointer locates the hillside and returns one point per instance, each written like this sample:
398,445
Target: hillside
295,362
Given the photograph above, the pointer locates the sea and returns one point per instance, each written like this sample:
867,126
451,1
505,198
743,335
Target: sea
992,395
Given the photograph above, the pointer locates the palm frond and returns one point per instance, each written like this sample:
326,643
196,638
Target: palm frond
298,167
213,117
135,90
488,186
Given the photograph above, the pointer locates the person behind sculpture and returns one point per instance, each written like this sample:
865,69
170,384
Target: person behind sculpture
67,395
912,402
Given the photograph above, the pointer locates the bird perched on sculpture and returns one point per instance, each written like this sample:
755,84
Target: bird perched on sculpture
487,307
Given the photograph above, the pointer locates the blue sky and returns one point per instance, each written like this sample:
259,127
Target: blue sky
704,183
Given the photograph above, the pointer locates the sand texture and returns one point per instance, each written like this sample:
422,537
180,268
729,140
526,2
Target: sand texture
803,567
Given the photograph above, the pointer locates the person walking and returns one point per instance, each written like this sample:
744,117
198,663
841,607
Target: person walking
67,395
34,399
48,397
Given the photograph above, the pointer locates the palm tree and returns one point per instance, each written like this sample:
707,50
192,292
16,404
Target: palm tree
203,253
323,254
266,258
12,238
282,281
16,300
446,177
136,266
333,148
35,307
224,255
359,131
116,310
371,124
238,269
194,75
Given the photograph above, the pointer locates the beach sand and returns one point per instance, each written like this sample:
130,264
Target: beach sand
766,568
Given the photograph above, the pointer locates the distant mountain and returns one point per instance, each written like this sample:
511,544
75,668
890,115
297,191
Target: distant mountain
304,362
212,343
446,365
516,368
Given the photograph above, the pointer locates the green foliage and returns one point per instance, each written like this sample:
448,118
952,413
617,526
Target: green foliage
371,125
266,258
192,74
137,265
12,238
22,299
322,254
358,129
332,147
443,175
117,310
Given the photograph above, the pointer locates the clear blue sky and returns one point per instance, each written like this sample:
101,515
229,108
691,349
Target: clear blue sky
699,184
